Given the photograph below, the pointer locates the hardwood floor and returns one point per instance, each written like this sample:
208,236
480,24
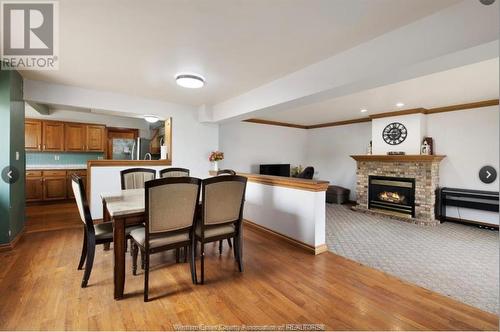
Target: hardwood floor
52,216
40,289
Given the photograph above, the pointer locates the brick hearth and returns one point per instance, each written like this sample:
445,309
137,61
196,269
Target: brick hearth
424,171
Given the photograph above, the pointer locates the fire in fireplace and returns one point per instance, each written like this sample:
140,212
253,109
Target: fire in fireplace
392,194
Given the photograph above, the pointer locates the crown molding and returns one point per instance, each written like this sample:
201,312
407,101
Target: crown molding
421,110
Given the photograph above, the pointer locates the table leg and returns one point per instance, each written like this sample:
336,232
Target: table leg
105,213
119,256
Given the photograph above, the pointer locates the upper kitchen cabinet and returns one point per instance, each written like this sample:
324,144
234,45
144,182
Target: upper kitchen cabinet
33,135
96,138
53,136
75,136
57,136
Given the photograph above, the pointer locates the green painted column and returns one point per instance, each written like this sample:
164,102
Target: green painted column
12,196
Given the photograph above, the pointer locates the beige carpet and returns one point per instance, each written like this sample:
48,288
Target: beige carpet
456,260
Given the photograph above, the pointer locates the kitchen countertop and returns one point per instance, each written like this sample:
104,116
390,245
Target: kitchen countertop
50,167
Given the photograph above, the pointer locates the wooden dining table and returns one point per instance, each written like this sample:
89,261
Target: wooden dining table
125,208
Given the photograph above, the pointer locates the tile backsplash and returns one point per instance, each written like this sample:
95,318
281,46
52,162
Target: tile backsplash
60,158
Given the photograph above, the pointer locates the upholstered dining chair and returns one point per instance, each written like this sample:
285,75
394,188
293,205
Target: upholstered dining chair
170,215
174,172
134,178
221,216
226,172
92,234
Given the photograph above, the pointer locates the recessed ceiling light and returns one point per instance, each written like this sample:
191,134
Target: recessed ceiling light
190,81
151,118
364,110
400,104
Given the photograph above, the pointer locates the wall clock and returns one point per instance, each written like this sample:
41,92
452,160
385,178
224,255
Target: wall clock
394,133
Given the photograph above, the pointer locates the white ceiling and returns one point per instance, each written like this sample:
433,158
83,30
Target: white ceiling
476,82
137,47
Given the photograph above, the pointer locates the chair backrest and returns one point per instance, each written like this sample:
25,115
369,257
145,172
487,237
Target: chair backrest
222,200
134,178
171,204
81,201
174,172
307,173
226,172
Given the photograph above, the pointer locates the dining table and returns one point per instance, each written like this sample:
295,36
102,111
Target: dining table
123,209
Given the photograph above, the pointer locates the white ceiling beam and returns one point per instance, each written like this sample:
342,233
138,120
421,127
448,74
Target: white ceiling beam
56,94
456,36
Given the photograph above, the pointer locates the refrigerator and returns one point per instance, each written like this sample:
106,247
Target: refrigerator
130,149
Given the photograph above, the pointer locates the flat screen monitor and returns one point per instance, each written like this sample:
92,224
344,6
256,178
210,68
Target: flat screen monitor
275,169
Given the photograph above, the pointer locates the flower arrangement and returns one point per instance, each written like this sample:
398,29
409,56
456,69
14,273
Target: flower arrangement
216,156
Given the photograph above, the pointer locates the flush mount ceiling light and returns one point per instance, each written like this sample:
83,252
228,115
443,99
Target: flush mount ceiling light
400,104
364,110
151,118
190,81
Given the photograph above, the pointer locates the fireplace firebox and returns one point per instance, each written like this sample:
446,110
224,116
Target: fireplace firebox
392,194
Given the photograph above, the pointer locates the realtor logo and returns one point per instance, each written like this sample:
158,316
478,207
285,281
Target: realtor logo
29,35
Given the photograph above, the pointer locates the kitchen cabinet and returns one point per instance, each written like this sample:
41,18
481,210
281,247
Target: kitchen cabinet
33,135
95,138
54,185
34,186
52,136
57,136
75,137
51,185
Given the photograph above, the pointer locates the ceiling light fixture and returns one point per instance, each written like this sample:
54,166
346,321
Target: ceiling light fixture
400,104
190,81
151,118
364,110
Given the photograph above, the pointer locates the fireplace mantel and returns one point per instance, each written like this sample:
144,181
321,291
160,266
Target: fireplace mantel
399,158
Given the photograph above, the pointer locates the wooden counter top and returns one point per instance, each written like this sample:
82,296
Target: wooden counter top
281,181
138,163
409,158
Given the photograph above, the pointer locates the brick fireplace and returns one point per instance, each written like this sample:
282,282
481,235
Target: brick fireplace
404,186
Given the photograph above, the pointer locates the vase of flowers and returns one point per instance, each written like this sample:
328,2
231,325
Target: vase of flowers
214,158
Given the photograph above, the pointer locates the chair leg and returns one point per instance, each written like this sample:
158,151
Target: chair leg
142,260
90,260
192,263
131,244
106,246
229,242
237,242
146,277
84,250
202,254
185,254
193,255
220,247
177,253
134,250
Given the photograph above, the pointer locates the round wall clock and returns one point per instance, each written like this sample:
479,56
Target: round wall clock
394,133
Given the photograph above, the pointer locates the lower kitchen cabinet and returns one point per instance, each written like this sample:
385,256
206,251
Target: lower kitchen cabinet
54,188
34,189
51,185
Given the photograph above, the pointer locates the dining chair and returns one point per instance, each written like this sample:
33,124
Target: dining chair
134,178
170,216
174,172
221,216
226,172
93,234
